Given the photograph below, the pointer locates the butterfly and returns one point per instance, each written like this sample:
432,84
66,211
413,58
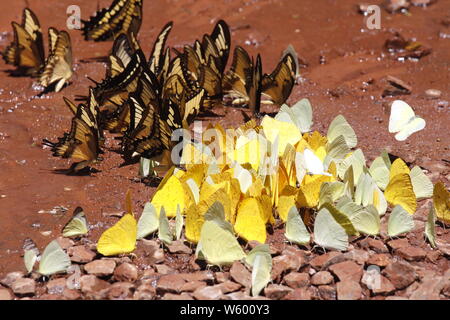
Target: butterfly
83,140
125,45
277,86
121,237
123,16
145,122
217,244
77,225
58,66
26,52
159,61
403,121
243,81
214,49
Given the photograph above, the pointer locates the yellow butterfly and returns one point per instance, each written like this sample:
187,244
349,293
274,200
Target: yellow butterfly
121,237
441,201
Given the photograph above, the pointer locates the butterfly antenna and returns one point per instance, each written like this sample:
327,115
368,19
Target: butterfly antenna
95,82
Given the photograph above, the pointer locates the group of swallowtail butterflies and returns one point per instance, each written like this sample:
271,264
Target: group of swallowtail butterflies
26,52
145,100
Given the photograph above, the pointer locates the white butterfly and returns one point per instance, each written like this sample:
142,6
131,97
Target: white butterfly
404,121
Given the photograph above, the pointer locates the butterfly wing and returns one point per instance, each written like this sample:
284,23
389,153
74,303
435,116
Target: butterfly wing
401,115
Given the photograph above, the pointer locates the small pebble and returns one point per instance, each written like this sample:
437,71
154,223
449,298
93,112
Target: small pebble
433,93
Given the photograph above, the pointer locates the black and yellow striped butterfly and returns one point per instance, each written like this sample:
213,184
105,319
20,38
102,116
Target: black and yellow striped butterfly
149,133
215,48
123,16
159,60
244,82
26,52
125,45
277,86
112,93
58,66
181,103
82,142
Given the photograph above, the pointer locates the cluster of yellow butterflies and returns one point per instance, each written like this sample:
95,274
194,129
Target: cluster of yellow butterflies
26,52
278,169
236,181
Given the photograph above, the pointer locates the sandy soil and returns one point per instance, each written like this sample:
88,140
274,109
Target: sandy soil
350,82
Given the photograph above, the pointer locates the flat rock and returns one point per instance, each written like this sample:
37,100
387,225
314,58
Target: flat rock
348,290
429,288
208,293
11,277
398,243
276,291
411,253
400,274
152,251
239,295
144,292
71,294
81,254
5,294
377,283
296,280
347,270
298,294
24,286
319,261
56,286
321,278
358,255
291,259
191,286
327,292
120,291
228,286
179,247
240,274
222,276
163,269
198,276
181,296
377,245
379,259
170,283
126,272
92,284
100,268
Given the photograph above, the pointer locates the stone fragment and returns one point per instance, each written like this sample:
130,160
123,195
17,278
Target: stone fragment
347,270
126,272
296,280
24,286
348,290
100,268
240,274
400,274
276,291
321,278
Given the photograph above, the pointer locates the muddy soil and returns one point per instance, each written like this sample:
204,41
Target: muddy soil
345,72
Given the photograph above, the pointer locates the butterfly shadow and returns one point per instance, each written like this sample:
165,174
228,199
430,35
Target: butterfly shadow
101,59
51,88
17,73
86,171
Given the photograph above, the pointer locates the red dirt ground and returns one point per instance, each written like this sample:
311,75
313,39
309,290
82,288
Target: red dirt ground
330,28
